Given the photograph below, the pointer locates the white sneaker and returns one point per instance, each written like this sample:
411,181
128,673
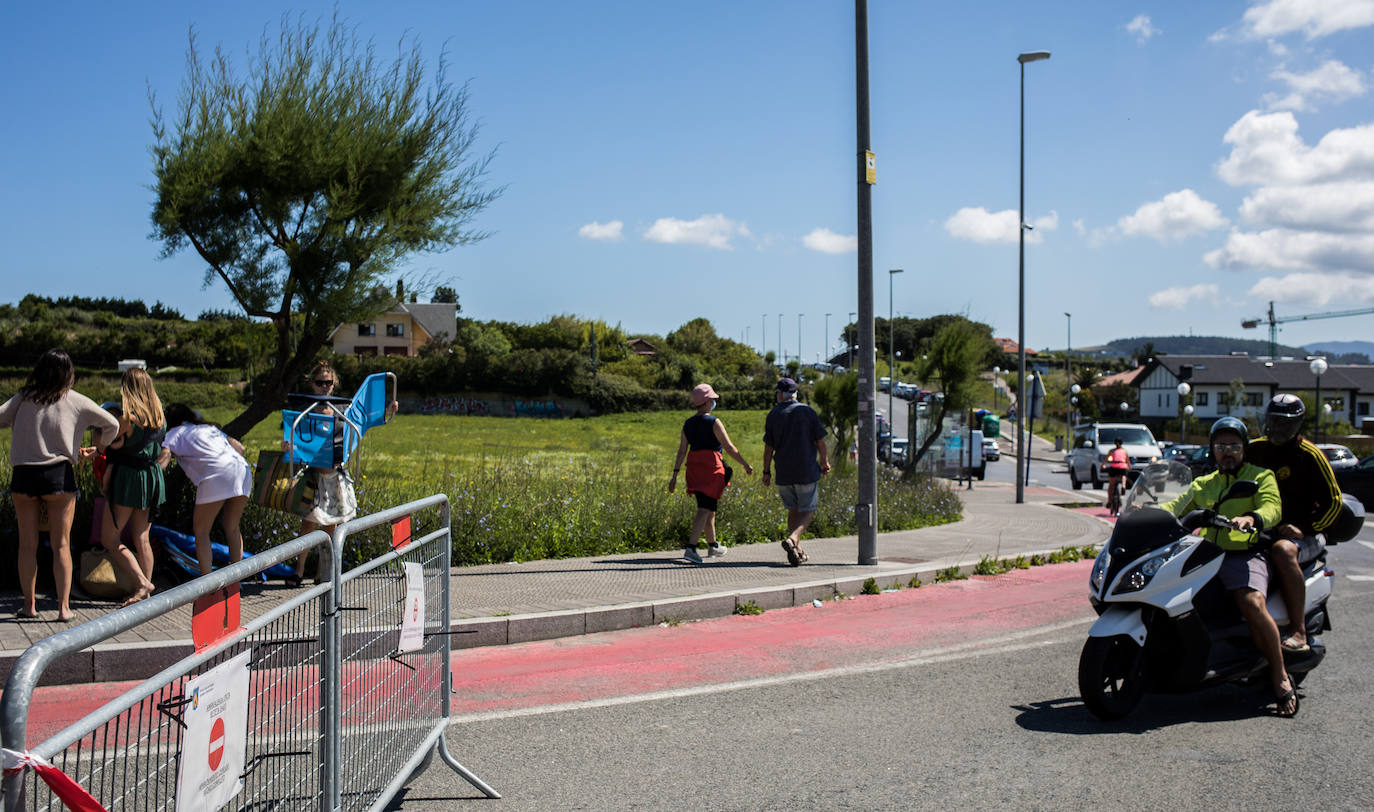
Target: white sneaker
692,555
716,550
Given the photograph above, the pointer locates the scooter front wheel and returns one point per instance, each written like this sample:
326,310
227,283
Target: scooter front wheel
1111,675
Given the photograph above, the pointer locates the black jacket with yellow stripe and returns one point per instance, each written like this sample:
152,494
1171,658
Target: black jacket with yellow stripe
1311,498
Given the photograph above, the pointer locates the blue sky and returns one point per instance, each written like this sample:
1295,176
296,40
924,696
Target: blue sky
1185,162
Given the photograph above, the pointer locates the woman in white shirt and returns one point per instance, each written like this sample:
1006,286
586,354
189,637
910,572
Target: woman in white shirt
214,462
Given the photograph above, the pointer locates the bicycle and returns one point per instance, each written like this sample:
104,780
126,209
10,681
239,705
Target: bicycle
1114,487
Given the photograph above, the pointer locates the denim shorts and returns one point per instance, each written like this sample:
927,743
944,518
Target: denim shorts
43,480
801,498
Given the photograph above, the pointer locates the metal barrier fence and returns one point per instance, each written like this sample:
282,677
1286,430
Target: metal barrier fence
336,717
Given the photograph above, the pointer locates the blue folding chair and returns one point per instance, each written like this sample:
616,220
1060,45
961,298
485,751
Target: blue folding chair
309,434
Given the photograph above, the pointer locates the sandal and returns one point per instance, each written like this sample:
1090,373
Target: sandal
293,581
802,556
793,557
1291,646
1282,701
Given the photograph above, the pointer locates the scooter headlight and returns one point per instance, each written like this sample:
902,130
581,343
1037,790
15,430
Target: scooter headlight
1136,578
1104,560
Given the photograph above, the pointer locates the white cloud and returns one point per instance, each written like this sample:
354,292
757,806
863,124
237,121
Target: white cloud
1179,298
1178,215
1314,18
977,224
1341,207
1282,249
1316,289
713,230
1266,149
1333,81
1142,28
1080,227
609,232
828,242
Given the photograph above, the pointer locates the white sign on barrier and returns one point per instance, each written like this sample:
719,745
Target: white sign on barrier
413,616
213,743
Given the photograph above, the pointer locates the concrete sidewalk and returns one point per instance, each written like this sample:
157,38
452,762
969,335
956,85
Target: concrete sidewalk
510,603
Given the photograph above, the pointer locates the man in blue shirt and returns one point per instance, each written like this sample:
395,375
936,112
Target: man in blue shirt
794,437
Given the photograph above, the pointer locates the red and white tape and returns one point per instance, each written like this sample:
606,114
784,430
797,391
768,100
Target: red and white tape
63,786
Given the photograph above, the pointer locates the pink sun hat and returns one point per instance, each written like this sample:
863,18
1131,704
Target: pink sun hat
702,393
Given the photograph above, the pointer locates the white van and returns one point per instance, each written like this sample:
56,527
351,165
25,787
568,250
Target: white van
1092,442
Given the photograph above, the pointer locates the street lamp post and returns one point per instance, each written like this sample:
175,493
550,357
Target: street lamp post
995,372
1030,56
1068,373
1183,390
799,352
1073,408
1187,413
763,335
1318,367
849,338
828,345
782,358
891,366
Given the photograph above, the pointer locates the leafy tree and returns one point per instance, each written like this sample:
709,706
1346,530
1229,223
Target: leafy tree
953,357
445,295
837,403
302,184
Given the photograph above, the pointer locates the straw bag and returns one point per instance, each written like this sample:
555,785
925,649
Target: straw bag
100,578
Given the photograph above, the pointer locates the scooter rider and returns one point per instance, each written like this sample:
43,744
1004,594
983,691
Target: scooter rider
1311,502
1244,568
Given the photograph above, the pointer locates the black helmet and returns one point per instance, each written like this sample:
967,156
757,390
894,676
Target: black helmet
1232,424
1348,521
1283,418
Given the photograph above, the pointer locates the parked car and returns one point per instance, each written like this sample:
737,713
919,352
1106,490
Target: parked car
1199,460
1358,481
1339,456
1092,442
990,449
1180,451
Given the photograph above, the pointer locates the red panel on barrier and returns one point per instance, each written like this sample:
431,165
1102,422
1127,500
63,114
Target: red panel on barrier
400,533
215,617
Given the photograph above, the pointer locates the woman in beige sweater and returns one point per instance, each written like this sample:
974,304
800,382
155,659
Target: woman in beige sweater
48,421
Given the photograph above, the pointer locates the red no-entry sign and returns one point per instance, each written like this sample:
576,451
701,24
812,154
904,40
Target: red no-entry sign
216,743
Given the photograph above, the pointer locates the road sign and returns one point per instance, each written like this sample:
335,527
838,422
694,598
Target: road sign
213,744
413,617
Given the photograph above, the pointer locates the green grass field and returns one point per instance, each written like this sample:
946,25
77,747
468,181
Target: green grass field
526,489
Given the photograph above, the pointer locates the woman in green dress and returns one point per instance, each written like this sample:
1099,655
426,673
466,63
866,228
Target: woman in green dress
134,483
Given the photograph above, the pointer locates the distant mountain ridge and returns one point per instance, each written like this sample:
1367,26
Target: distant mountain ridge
1340,352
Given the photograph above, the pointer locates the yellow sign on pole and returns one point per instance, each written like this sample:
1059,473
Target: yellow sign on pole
870,167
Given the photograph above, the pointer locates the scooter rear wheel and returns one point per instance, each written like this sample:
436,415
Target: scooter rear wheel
1111,676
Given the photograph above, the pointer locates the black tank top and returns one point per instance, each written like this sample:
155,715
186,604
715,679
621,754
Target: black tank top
701,433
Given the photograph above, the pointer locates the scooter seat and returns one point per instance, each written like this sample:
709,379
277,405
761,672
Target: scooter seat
1310,549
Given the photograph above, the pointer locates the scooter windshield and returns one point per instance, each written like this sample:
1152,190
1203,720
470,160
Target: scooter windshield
1158,483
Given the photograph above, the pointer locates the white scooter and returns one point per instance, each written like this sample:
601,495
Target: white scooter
1165,622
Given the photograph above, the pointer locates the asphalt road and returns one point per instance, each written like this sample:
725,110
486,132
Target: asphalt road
962,695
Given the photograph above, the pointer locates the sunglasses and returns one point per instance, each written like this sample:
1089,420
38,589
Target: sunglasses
1229,448
319,382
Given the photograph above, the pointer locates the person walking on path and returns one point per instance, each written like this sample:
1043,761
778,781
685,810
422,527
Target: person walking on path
48,421
215,463
794,437
134,481
703,439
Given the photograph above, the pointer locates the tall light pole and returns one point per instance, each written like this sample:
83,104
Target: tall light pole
1183,390
828,345
1068,375
763,334
781,355
849,338
995,372
866,505
1318,367
1021,450
799,352
891,364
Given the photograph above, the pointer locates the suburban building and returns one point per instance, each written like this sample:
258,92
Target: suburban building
639,346
403,330
1240,386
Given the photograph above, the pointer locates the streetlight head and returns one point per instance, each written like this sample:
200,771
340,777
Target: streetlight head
1033,56
895,270
1075,389
1318,366
1184,389
1188,410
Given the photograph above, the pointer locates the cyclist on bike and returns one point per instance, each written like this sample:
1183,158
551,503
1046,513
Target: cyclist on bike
1118,465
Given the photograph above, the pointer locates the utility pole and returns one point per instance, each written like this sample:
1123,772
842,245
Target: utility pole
866,509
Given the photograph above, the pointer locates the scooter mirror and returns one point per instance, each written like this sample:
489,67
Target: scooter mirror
1240,489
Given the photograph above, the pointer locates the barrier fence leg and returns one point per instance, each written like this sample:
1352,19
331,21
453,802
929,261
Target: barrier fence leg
331,669
446,683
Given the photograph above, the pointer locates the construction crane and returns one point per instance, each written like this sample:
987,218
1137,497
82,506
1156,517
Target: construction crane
1274,322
